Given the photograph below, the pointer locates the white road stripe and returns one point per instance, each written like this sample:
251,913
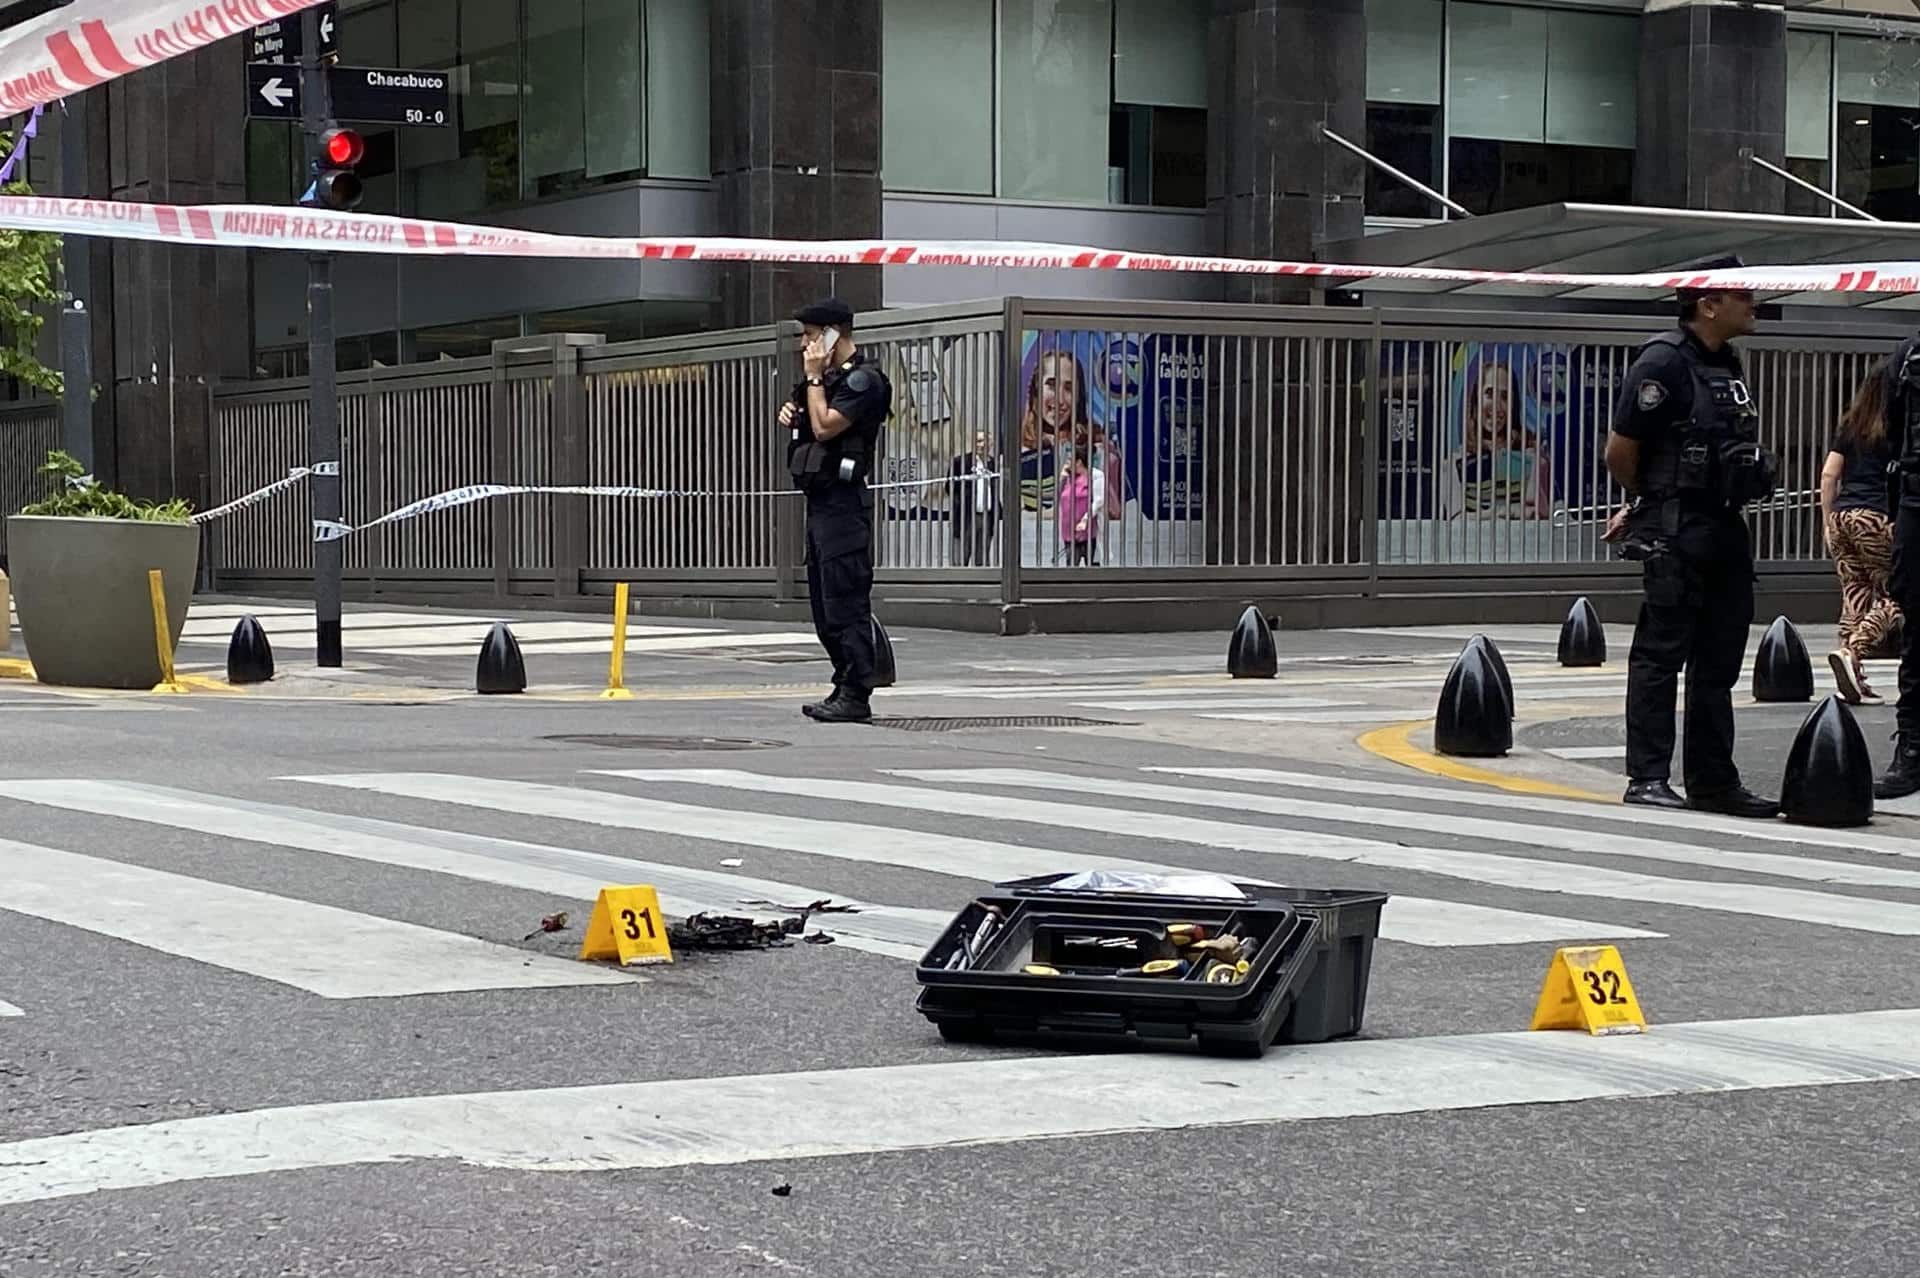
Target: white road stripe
890,1109
1893,917
1481,797
447,635
1587,752
326,951
1414,920
682,643
7,1009
895,931
1351,715
1211,703
1565,838
1907,805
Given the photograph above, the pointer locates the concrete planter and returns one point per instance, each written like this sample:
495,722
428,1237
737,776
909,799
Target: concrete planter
80,587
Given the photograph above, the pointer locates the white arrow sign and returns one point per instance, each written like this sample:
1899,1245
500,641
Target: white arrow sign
276,93
326,28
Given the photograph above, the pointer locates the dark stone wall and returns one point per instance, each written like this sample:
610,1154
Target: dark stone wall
796,144
1275,187
1713,81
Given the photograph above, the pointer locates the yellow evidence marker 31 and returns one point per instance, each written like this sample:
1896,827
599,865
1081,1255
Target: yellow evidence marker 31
627,925
1587,988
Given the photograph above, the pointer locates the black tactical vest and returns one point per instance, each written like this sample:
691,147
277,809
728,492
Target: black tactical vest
847,457
1713,458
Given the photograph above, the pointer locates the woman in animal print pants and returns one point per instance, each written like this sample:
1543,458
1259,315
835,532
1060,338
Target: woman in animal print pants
1859,530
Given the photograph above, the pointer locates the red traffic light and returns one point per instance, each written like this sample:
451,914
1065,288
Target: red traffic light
343,147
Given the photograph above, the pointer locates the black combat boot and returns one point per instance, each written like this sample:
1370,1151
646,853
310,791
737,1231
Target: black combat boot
1902,776
848,705
813,708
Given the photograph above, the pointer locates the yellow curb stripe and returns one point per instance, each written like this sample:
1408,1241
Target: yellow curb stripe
12,668
1394,744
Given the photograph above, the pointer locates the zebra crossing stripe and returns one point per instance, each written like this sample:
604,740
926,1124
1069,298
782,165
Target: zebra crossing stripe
734,1120
331,952
7,1009
1593,843
1766,831
1411,919
1896,918
894,931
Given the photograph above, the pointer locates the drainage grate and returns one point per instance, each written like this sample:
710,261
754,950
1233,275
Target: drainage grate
960,723
618,742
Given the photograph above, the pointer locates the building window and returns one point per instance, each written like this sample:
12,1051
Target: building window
549,97
1536,106
1809,121
1075,101
1877,97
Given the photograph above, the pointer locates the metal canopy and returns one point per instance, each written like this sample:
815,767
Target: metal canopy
1616,239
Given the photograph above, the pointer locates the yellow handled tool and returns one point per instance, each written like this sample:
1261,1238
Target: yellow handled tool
1159,967
1227,973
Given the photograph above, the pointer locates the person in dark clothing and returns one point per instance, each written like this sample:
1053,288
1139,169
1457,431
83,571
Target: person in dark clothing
1684,445
973,503
835,417
1901,378
1859,534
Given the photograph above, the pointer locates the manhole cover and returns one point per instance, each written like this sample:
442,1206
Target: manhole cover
957,724
619,742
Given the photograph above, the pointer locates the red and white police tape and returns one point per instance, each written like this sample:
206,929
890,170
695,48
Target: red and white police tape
90,42
299,229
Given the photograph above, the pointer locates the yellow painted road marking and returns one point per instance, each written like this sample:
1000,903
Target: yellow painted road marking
1395,743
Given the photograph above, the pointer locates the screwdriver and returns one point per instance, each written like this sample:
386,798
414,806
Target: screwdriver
1158,967
1186,933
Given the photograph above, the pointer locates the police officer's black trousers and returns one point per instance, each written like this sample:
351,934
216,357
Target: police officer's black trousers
1698,607
1904,585
840,581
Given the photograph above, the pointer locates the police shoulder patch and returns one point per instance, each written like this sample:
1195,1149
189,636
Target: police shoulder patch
860,381
1652,395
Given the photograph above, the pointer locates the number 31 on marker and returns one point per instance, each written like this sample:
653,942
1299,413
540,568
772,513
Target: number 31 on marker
626,925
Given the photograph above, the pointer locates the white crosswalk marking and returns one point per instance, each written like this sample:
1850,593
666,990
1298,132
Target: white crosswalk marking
895,931
1412,919
1767,831
1216,703
1353,714
326,951
8,1009
1892,917
1587,752
1594,843
439,635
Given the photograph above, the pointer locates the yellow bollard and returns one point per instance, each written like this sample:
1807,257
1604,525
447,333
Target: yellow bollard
157,588
616,668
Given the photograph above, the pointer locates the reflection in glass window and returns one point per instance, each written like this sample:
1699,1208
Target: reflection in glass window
936,75
1056,80
1809,120
1877,118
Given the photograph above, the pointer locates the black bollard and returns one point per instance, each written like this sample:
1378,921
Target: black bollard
1475,719
1499,664
884,669
1250,652
1829,779
502,670
1782,671
1583,640
249,655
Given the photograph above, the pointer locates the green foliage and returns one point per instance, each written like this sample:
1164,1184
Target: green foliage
80,496
29,266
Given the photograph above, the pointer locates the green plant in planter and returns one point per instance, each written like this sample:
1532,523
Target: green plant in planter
80,496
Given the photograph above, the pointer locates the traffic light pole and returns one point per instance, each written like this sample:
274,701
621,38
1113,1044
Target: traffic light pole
323,407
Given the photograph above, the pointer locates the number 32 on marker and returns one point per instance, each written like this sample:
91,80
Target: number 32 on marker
626,925
1587,988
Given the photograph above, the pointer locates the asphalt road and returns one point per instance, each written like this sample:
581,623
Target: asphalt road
284,1007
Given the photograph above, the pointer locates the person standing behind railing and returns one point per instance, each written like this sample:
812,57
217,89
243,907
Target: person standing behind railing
1859,534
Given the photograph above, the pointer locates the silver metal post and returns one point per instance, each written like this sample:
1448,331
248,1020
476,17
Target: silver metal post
1804,185
1390,171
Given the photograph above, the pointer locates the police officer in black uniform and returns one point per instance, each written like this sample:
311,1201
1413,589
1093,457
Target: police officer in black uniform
1684,444
834,419
1902,372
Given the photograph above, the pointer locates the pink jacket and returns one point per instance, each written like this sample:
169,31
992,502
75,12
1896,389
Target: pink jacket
1075,501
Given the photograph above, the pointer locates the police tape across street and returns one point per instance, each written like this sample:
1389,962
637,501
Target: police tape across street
333,530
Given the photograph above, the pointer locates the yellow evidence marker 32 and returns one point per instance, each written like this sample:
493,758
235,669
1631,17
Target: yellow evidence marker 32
627,925
1587,988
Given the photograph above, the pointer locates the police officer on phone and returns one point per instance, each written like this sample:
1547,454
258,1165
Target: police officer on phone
1685,445
1902,372
833,419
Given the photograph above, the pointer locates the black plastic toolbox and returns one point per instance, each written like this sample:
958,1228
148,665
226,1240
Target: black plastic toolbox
991,997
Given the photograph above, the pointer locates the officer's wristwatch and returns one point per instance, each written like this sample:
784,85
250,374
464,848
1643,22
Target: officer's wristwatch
816,380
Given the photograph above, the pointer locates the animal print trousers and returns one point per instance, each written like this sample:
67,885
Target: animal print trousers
1861,542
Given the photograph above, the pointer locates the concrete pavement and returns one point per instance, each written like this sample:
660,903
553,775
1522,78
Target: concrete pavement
204,854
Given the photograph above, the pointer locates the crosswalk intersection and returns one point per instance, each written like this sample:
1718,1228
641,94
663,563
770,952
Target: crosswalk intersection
1557,871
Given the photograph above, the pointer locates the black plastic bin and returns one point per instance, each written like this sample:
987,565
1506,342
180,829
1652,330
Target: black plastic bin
1308,982
992,997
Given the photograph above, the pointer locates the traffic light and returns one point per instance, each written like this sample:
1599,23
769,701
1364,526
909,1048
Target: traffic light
335,184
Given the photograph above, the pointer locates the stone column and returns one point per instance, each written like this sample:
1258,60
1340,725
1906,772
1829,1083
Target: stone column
1713,80
179,315
796,145
1278,71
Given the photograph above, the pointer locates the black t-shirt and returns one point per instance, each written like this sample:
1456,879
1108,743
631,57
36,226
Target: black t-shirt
858,392
1863,480
1657,392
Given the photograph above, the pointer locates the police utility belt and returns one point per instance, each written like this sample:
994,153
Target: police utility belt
815,465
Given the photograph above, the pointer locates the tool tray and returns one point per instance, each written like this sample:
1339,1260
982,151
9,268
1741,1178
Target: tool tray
992,997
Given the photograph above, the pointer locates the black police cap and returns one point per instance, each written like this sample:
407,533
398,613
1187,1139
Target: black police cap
1723,262
828,313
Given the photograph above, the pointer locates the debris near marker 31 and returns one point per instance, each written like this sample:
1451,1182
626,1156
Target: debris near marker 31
733,932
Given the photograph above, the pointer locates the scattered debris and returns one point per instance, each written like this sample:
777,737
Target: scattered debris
782,1190
551,923
732,932
733,863
823,906
819,938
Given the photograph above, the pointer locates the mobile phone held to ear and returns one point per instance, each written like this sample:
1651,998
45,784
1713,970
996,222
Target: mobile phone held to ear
829,338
